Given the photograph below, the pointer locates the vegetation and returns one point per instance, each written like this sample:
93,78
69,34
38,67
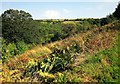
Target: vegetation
78,50
117,12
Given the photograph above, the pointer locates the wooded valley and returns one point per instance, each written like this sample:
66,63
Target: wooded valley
59,50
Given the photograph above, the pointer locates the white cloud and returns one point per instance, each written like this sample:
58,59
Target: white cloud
51,14
66,11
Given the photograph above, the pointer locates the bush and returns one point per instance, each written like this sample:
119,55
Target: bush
62,58
69,27
21,47
9,50
59,60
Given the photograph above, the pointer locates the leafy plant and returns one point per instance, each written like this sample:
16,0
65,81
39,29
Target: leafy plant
62,78
7,50
59,60
21,47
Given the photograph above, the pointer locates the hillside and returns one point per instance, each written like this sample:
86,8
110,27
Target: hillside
90,56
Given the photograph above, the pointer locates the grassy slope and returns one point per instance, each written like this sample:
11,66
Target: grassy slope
97,62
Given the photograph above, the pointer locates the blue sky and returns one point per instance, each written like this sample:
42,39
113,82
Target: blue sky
60,10
59,0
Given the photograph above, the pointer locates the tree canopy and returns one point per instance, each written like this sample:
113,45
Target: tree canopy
117,11
19,26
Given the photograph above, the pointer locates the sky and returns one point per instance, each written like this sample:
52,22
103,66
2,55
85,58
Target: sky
59,0
63,10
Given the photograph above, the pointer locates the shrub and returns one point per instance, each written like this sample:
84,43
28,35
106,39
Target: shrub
63,58
59,60
21,47
11,49
69,27
8,50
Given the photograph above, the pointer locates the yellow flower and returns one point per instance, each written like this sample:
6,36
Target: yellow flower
45,74
33,51
13,71
68,47
47,50
59,74
7,50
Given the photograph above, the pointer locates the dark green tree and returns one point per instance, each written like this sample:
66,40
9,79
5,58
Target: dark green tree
13,23
19,26
117,12
109,18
